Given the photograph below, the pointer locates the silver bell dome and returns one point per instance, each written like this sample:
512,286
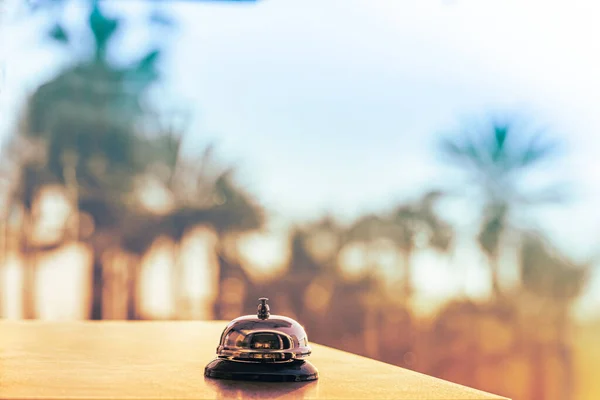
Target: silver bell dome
263,347
263,338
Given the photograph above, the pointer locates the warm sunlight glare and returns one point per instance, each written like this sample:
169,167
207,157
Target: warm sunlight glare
264,253
62,278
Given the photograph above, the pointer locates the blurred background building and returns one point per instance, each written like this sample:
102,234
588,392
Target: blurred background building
413,181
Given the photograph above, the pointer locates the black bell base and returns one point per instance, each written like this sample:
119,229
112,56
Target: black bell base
292,371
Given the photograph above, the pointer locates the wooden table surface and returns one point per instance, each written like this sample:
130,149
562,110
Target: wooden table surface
152,360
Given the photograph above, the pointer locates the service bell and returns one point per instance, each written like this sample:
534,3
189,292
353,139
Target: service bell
263,347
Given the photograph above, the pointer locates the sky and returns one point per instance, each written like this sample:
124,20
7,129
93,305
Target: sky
337,105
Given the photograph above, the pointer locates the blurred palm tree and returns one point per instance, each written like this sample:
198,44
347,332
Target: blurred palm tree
201,193
496,158
323,239
409,226
417,225
547,273
467,337
24,161
85,120
313,267
367,230
236,212
314,289
555,282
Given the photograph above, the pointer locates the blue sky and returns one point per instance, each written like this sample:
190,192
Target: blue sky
349,99
337,104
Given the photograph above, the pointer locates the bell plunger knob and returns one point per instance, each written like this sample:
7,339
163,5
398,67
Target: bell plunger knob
263,309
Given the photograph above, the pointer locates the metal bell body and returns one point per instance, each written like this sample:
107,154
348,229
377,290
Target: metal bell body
263,347
277,339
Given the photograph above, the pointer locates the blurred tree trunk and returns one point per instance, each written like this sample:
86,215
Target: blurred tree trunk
407,285
29,286
494,274
228,266
372,328
3,262
177,281
29,276
97,286
538,376
111,308
133,287
565,354
222,266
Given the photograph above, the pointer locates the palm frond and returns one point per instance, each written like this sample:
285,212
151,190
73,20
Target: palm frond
559,193
548,274
536,150
59,34
463,152
369,227
103,28
498,148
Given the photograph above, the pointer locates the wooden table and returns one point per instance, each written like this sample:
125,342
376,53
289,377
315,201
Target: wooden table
152,360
